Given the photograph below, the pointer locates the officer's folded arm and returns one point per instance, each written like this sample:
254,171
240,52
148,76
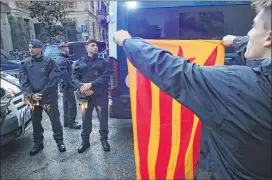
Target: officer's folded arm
54,73
24,82
202,89
104,78
75,77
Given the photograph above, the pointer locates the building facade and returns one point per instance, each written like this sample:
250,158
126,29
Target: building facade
6,40
93,14
22,25
17,26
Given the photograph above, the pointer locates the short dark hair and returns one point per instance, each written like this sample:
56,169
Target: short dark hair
36,43
89,41
266,6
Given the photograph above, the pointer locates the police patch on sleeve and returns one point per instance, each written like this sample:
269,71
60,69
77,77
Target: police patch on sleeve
96,73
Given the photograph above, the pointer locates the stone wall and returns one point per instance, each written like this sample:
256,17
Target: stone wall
82,12
6,40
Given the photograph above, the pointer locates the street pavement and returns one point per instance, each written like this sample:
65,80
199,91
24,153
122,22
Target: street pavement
92,164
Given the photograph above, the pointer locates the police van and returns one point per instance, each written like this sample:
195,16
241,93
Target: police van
186,20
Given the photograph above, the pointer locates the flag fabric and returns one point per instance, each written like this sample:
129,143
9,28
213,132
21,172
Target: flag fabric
166,133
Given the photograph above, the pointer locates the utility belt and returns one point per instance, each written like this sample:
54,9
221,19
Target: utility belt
80,96
82,99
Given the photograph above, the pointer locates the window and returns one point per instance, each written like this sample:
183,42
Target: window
104,36
71,49
79,49
198,22
100,33
201,25
26,21
149,25
92,6
26,24
93,30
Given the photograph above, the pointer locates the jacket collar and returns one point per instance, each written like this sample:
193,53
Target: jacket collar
35,59
262,66
64,55
254,62
90,59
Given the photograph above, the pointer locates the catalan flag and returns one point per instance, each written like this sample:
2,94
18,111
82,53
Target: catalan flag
166,133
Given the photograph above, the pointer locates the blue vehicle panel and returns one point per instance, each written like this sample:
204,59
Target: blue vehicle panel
9,64
175,21
186,20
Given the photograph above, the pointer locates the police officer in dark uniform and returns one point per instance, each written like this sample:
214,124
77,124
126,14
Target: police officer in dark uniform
91,78
39,77
66,85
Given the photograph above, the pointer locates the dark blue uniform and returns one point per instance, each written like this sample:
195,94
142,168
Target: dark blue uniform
233,102
97,71
69,101
42,76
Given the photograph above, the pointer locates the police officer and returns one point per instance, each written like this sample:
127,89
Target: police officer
91,77
39,77
69,101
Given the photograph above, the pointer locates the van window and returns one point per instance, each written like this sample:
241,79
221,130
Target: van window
79,49
197,22
71,49
201,25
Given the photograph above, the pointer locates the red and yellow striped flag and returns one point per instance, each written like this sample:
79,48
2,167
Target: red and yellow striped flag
166,133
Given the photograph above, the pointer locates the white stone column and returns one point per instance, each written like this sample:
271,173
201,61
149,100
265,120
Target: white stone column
32,29
6,33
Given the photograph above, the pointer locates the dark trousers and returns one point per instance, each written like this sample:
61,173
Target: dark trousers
69,106
101,103
52,111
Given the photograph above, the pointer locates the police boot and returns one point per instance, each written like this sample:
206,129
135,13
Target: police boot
84,145
61,146
105,145
75,125
38,146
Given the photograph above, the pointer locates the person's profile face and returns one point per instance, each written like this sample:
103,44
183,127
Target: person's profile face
92,48
66,49
34,51
259,38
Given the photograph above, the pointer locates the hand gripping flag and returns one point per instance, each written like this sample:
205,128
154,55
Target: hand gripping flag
166,133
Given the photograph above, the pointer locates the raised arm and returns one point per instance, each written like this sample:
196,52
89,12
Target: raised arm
76,80
240,43
202,89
